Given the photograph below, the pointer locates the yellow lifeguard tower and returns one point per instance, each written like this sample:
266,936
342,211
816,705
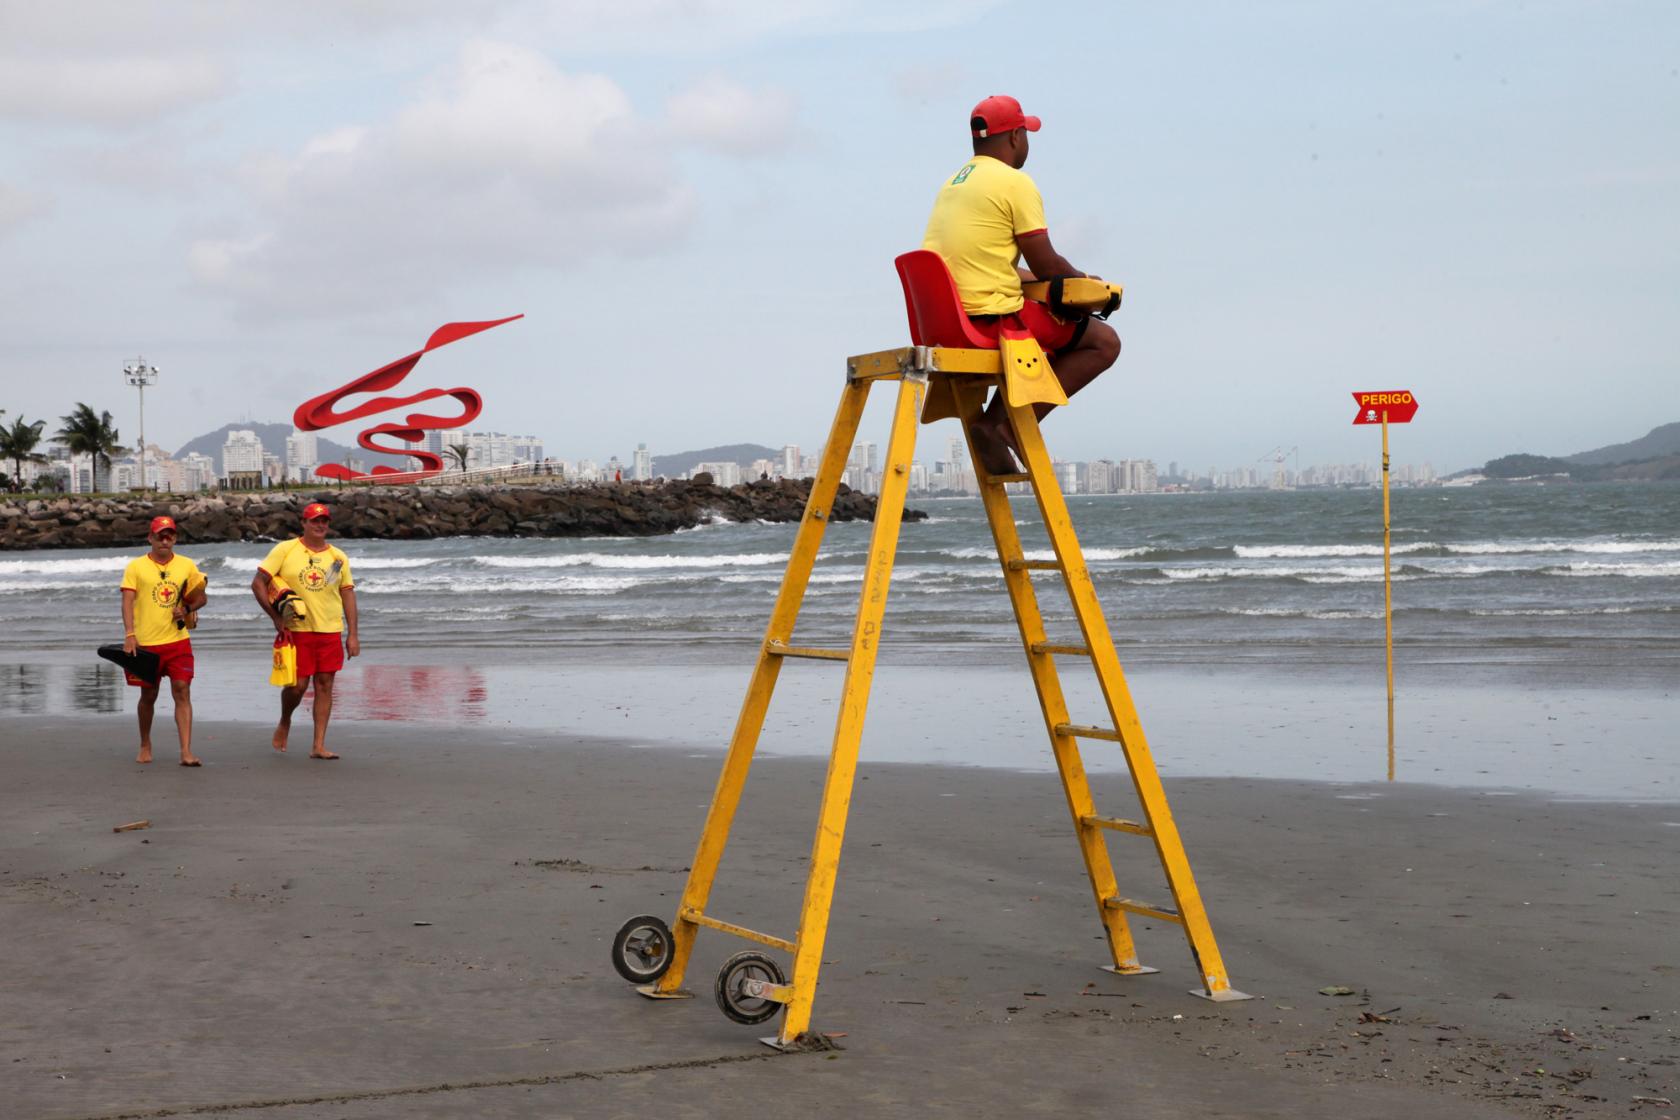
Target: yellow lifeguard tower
946,373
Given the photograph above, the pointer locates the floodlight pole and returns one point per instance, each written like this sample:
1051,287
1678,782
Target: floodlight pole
140,375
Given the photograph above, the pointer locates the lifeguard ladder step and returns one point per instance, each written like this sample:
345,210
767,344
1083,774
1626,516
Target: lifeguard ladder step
755,990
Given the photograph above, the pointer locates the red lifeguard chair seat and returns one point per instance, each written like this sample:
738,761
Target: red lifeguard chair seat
935,308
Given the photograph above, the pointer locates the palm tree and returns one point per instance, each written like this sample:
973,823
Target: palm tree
85,433
17,443
459,453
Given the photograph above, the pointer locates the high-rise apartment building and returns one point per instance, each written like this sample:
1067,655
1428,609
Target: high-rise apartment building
495,449
723,474
1099,477
242,451
190,473
302,455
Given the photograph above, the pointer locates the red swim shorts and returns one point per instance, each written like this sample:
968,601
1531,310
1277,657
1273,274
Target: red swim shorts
1052,333
175,661
317,653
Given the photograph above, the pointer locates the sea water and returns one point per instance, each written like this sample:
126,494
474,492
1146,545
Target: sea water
1546,589
1587,576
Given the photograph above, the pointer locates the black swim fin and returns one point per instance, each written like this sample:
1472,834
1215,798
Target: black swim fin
143,663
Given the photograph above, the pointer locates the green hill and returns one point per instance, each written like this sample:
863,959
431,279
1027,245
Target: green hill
1658,443
675,466
1651,458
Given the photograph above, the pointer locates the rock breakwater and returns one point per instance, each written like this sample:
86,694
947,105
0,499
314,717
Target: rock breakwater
631,509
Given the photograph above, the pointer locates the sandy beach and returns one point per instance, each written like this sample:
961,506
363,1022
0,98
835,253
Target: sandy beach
422,930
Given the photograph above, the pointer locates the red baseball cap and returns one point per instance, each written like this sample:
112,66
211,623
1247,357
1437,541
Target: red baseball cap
314,510
161,523
998,114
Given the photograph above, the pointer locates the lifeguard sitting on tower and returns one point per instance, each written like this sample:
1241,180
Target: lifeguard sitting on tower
985,219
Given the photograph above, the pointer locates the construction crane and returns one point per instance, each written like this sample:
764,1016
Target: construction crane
1276,456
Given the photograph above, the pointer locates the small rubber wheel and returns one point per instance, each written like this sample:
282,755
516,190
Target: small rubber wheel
732,983
642,950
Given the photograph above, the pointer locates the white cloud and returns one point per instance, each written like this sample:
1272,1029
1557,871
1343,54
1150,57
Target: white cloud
105,91
17,206
693,27
503,162
100,28
728,117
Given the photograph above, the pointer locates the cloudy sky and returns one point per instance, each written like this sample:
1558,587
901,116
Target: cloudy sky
696,204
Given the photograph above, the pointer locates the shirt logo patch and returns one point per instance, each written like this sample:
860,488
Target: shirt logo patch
963,174
314,578
164,594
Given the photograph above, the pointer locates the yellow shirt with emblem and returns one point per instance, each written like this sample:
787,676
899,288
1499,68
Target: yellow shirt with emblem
976,218
157,588
311,575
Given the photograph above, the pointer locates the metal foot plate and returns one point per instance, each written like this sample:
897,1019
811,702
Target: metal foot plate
803,1044
1134,970
651,992
1229,995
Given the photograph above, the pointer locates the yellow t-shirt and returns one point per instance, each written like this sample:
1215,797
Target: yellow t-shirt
976,218
156,591
311,575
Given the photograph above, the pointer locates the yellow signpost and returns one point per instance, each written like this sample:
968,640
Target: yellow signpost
1398,407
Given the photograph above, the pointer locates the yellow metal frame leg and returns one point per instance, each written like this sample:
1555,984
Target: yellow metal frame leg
714,836
1030,620
1190,912
854,701
947,382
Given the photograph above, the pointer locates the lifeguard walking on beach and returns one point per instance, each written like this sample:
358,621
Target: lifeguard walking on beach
986,217
314,575
161,594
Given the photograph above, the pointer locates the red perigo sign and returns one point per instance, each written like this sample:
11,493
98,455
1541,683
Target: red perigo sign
1400,405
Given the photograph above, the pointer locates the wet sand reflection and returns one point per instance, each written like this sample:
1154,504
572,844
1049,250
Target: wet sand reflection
431,693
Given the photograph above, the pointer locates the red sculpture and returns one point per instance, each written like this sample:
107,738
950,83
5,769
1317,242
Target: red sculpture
319,412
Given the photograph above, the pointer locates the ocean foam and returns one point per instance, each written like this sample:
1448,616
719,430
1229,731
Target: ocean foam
1557,612
33,585
64,567
1584,546
609,560
381,563
1047,554
1466,548
1324,551
1668,569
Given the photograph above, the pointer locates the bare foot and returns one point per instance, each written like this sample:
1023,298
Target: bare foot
190,759
145,754
283,729
324,755
991,449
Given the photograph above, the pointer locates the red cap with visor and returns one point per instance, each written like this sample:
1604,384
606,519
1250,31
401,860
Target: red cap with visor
314,510
159,524
998,114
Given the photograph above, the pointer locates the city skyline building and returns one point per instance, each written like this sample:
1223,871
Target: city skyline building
723,473
242,451
302,455
497,449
